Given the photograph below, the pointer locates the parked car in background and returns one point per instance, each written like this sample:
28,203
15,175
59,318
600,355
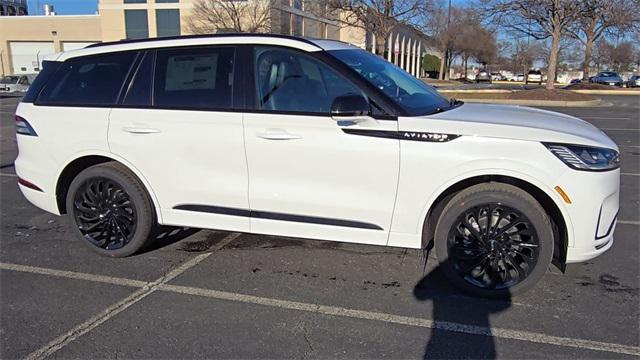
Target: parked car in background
497,76
534,76
607,78
634,81
483,75
518,77
499,190
11,83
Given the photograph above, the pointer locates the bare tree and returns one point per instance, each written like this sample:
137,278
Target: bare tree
599,17
444,25
211,16
540,19
622,56
475,42
601,54
378,17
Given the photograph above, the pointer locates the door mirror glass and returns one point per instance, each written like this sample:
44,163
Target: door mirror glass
350,105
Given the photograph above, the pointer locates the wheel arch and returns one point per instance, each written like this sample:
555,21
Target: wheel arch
558,219
82,161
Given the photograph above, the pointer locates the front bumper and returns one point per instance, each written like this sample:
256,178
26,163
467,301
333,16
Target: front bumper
593,212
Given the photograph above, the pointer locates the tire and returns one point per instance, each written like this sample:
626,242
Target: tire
111,201
527,244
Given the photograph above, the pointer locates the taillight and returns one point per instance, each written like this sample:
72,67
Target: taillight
23,127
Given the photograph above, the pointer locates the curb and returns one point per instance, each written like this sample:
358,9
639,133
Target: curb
608,92
476,91
551,103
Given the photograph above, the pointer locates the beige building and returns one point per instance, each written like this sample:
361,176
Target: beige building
25,40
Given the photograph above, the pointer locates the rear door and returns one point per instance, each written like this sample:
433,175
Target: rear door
180,126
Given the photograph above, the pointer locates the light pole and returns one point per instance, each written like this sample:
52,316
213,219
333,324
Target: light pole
445,76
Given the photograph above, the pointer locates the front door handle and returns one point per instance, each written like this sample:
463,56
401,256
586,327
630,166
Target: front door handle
277,134
140,130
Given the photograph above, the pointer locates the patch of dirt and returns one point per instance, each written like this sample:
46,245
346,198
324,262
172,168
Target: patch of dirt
536,94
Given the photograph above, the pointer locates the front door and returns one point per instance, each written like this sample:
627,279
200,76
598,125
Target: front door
310,175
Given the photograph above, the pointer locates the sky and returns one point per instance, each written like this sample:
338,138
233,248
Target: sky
63,7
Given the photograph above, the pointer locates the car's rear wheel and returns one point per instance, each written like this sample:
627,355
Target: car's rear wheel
494,240
109,210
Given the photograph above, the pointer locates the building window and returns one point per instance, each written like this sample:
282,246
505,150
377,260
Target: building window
136,24
135,1
168,22
297,19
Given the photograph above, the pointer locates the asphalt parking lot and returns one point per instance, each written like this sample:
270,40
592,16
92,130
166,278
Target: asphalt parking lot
225,295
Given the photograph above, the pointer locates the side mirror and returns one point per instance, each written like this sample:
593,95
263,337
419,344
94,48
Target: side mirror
351,105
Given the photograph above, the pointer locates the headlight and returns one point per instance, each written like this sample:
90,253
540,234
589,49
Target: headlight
588,158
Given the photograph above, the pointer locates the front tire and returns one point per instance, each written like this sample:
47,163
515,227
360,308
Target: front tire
494,240
109,210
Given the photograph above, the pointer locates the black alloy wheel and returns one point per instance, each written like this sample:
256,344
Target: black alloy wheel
110,210
104,213
493,246
494,240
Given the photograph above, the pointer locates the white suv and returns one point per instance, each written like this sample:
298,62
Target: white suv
310,138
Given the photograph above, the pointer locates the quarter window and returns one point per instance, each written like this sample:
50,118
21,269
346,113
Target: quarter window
288,80
194,78
90,80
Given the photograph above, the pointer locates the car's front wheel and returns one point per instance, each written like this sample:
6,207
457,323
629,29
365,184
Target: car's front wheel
109,210
494,240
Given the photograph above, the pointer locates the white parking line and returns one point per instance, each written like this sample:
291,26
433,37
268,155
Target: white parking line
603,118
8,175
628,222
146,288
74,275
410,321
619,129
629,174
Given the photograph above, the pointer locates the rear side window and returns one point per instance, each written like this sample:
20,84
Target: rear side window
194,78
91,80
48,69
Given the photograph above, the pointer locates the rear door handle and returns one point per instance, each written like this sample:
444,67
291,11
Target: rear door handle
140,130
277,134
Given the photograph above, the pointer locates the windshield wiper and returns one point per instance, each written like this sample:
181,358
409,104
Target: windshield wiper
453,103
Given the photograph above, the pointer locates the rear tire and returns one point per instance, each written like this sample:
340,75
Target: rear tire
109,210
505,258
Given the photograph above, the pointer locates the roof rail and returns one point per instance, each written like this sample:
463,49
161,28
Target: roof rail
200,36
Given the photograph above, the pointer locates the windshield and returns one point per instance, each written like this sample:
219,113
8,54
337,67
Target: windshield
9,80
608,74
411,94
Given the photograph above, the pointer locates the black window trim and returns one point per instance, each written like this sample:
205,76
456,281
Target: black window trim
376,97
243,96
124,84
237,79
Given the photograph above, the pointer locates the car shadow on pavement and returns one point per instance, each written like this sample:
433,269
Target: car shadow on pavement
457,318
167,235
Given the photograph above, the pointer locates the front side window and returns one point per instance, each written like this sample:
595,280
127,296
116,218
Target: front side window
90,80
199,78
411,94
287,80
